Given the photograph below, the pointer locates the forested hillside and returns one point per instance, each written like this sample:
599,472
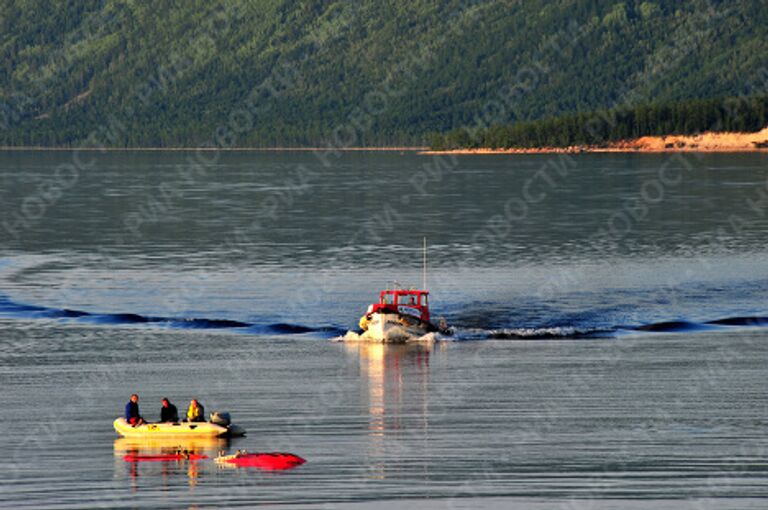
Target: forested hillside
368,72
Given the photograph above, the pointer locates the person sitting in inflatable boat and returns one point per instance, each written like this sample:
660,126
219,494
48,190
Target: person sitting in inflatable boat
168,413
132,415
196,412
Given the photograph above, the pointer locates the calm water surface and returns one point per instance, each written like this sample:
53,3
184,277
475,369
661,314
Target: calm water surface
610,347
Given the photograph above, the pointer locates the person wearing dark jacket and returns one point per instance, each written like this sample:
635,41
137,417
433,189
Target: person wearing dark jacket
168,413
132,415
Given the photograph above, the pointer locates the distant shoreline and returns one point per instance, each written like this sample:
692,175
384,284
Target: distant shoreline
228,149
705,142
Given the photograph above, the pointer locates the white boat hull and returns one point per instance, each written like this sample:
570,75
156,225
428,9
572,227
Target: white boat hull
394,328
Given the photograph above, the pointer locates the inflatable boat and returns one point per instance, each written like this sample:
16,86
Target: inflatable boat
179,429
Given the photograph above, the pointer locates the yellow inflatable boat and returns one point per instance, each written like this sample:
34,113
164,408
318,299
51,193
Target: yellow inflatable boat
181,430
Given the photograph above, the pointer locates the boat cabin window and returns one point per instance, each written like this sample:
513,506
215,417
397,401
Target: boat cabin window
409,299
404,299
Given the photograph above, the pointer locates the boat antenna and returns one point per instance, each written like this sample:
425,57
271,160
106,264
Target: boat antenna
424,267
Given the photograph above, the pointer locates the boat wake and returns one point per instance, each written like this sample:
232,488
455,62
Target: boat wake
12,309
549,333
577,333
463,327
354,336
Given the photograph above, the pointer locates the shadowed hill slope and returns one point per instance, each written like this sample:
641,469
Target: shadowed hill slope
280,72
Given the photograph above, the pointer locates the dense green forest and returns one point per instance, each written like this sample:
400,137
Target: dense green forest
312,72
733,114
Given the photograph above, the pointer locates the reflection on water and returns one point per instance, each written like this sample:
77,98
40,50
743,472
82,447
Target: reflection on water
150,446
397,379
165,470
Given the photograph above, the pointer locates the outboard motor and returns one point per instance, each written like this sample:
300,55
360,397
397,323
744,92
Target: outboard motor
221,418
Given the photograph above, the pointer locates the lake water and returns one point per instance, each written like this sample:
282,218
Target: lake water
609,313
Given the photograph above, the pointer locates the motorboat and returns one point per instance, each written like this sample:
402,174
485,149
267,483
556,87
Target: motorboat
203,429
400,315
